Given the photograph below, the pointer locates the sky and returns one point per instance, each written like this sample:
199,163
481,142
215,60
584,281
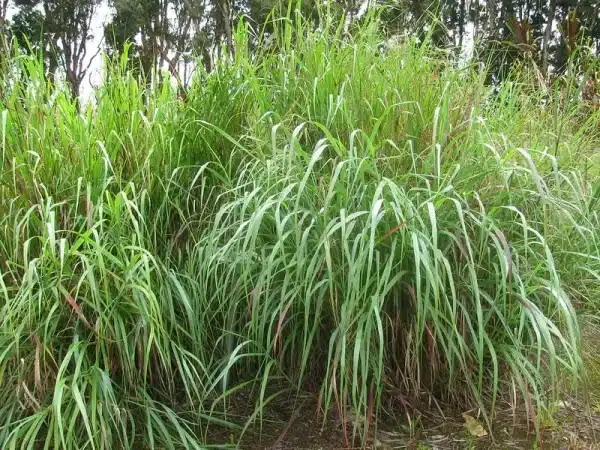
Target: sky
102,16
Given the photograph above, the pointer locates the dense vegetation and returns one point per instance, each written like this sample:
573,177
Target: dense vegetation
179,35
330,212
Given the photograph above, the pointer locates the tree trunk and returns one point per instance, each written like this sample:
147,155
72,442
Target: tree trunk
74,85
224,7
475,7
491,25
504,19
4,46
3,13
206,59
548,35
461,26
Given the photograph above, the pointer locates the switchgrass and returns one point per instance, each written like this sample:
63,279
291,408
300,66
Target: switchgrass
329,212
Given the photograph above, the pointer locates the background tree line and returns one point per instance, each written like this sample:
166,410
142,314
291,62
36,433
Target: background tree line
173,33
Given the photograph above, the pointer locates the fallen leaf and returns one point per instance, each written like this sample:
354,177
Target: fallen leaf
474,426
564,405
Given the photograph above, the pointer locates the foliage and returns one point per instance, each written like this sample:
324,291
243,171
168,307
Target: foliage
325,211
176,34
60,31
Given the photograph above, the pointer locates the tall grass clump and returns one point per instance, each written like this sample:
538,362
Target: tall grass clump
331,212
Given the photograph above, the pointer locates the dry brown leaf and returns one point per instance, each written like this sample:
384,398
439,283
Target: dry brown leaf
474,426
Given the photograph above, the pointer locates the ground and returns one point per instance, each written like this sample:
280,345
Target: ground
289,426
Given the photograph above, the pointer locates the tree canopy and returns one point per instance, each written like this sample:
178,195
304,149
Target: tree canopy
172,33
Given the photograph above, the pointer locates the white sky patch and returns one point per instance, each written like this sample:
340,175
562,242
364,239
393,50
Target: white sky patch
93,78
468,47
